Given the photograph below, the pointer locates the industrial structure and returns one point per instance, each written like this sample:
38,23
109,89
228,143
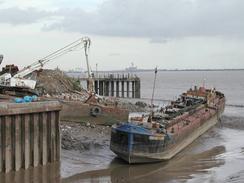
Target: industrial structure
117,85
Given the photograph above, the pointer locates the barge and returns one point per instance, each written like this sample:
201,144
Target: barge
162,134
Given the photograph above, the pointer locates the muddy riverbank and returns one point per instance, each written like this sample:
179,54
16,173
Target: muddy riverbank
217,156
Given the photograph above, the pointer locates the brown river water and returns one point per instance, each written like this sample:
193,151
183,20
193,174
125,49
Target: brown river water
216,156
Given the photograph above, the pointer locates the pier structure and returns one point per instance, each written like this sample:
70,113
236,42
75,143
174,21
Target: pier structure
29,135
117,85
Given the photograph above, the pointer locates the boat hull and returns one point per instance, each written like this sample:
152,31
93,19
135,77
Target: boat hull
167,133
168,152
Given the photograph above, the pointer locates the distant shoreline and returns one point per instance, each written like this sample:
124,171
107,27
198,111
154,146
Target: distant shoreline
159,70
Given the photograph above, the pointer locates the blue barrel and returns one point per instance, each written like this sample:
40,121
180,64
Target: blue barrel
18,100
28,99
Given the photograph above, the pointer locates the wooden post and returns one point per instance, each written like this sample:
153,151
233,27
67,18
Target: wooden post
122,89
17,142
35,140
138,88
1,144
133,89
26,141
43,138
96,86
7,144
49,136
58,141
53,138
106,91
112,88
117,88
101,87
128,89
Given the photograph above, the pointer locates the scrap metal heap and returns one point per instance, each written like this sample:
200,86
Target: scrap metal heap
187,104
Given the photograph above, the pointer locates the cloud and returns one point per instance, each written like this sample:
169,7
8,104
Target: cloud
159,20
17,16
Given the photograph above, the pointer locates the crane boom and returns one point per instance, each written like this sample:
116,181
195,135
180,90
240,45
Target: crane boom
85,42
1,59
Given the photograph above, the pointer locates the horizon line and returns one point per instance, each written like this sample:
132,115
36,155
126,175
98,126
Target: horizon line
144,70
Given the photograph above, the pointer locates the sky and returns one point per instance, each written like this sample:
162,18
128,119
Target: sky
169,34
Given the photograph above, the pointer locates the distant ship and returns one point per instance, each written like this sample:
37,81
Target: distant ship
131,68
76,70
160,136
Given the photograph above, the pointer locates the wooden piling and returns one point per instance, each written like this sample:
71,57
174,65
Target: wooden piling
117,88
106,88
96,86
43,138
122,89
17,142
133,89
26,140
35,151
1,145
128,89
101,88
24,132
7,146
112,88
137,89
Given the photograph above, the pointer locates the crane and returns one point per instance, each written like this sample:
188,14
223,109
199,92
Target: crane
21,78
1,59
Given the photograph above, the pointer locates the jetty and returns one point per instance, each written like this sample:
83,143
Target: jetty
117,85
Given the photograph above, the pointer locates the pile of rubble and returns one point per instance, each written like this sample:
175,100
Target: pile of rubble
56,84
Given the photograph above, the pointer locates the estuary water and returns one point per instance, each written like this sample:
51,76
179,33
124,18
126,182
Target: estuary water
217,156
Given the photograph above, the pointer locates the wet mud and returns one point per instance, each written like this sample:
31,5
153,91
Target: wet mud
84,136
179,168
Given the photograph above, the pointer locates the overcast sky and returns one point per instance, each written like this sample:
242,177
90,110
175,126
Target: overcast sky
165,33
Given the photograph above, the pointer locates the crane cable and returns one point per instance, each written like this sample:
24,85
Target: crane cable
154,85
